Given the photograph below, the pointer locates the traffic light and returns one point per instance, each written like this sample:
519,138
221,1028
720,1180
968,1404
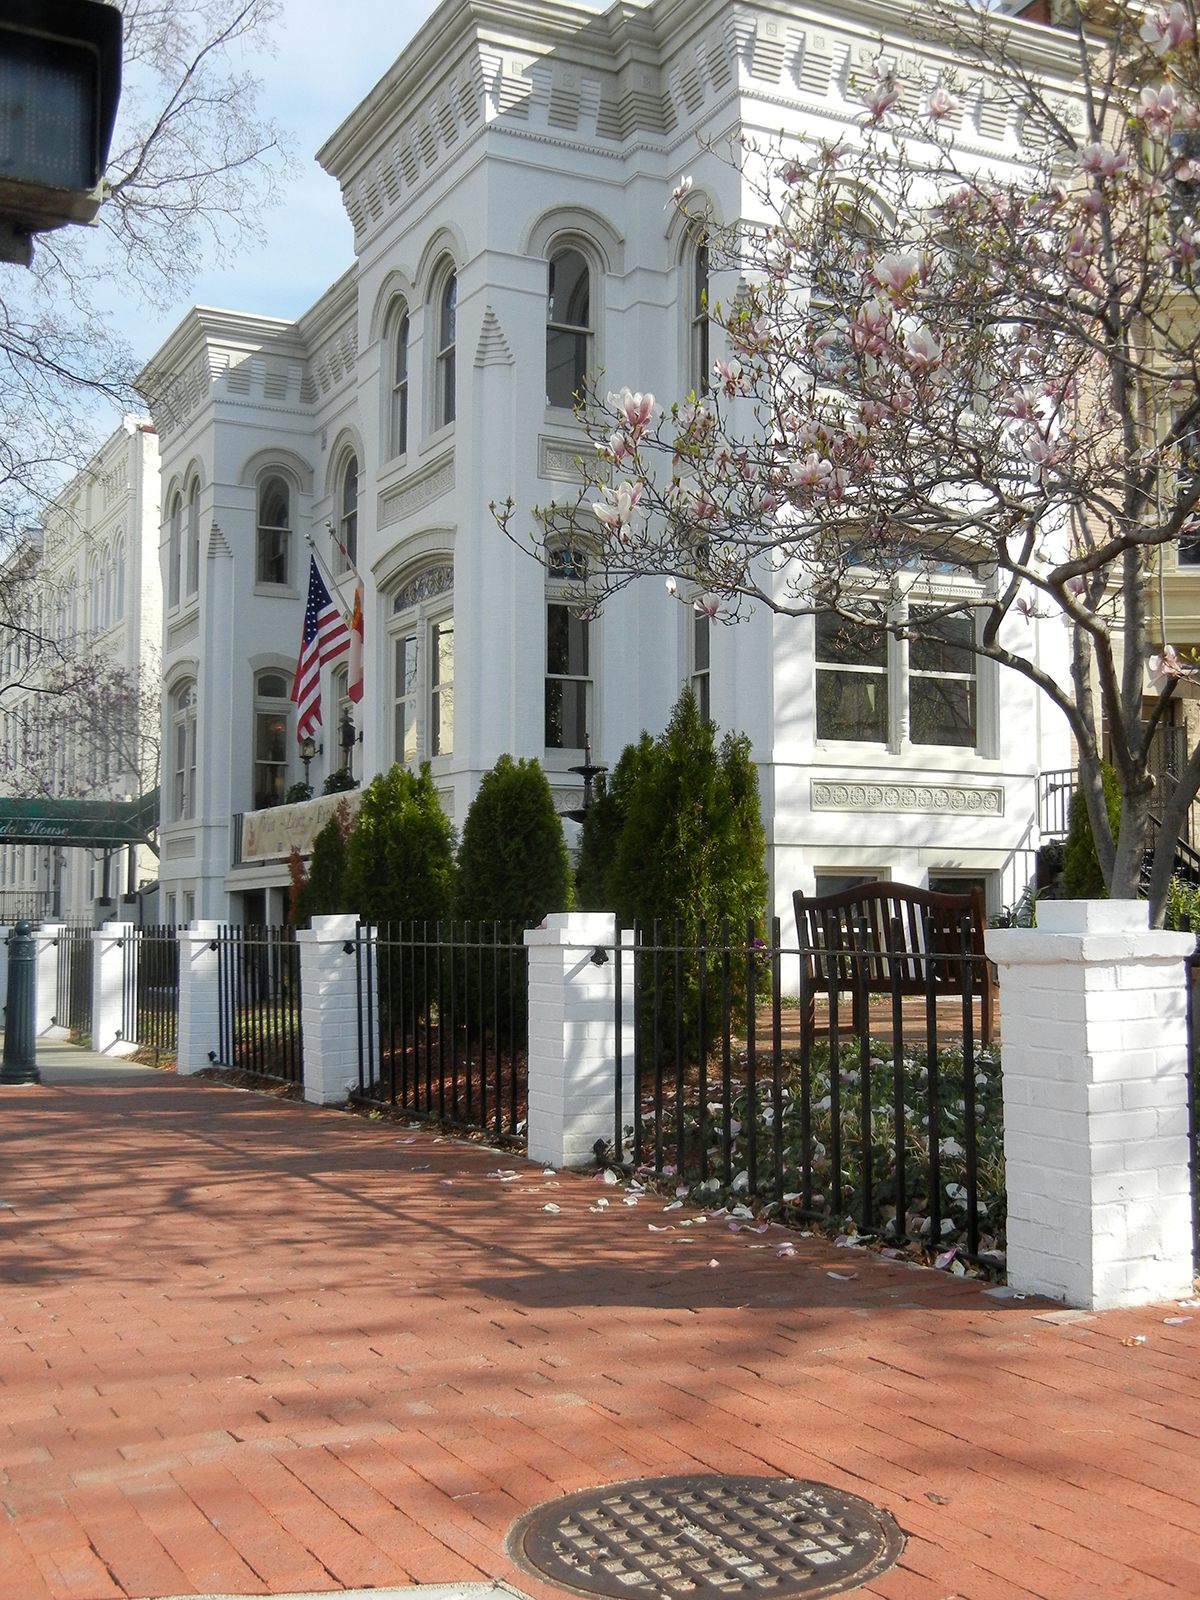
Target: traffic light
60,81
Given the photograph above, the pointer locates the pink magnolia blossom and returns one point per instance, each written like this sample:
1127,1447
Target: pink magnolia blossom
941,104
679,193
1157,108
1103,160
814,472
671,587
870,331
730,375
792,171
615,510
708,605
1075,586
634,410
1187,171
615,450
1039,452
897,273
1167,29
880,99
923,348
1186,245
1165,665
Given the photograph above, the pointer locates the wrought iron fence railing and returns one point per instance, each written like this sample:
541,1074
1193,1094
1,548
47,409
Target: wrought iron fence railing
443,1022
73,988
150,988
258,979
834,1092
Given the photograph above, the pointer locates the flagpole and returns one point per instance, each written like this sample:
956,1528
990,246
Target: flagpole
334,584
345,553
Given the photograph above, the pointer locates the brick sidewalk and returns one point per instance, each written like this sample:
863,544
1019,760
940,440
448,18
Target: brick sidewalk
250,1346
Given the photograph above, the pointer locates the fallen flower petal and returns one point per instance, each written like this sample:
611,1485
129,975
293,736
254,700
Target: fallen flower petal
550,1206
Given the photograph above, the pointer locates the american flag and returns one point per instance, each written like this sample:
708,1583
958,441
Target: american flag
325,637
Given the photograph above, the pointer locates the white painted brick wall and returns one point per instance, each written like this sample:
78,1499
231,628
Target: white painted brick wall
573,1038
46,982
199,1032
329,1007
108,984
1094,1046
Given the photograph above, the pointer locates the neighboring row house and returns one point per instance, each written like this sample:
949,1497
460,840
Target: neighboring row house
506,181
81,674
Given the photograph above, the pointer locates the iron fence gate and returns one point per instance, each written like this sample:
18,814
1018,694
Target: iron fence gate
443,1022
150,988
73,996
874,1110
258,980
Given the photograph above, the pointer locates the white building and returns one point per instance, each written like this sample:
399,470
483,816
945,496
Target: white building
93,612
506,180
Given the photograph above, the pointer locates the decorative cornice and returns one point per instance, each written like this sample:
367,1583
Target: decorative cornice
940,799
417,492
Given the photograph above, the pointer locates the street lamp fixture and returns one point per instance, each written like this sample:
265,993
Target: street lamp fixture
350,736
309,749
589,771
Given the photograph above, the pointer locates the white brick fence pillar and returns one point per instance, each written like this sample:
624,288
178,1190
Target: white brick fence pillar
1093,1008
573,1037
46,939
331,1005
198,1040
112,963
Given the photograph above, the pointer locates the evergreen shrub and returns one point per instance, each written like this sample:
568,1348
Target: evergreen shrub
1082,878
512,858
400,853
323,892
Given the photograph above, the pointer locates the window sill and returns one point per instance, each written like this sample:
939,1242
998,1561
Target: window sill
439,436
277,591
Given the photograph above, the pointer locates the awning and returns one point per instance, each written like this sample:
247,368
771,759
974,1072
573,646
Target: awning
90,823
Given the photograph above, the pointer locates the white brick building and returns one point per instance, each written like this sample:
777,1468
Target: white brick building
93,608
506,180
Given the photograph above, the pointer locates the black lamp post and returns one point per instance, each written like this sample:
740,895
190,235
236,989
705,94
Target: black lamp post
349,738
308,751
589,771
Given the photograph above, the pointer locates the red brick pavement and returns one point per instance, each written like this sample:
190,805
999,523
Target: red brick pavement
250,1346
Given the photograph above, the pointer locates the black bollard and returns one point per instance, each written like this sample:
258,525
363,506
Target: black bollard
19,1063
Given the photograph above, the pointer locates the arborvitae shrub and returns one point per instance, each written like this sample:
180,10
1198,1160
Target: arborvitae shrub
602,826
323,892
691,842
1082,877
512,857
400,854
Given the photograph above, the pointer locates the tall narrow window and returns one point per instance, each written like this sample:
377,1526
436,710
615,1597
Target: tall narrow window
95,597
347,554
174,548
568,329
441,687
701,661
942,700
183,749
698,347
191,584
274,530
568,680
404,647
398,399
119,580
271,708
852,681
447,334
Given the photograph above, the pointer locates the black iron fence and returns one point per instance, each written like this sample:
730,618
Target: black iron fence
820,1089
73,989
443,1022
258,977
150,988
1193,1092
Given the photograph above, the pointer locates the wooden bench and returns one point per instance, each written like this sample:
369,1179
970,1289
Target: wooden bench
877,937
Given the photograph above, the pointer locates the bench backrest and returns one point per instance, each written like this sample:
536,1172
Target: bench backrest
879,933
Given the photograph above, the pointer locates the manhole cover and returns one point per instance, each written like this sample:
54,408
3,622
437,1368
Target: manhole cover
707,1538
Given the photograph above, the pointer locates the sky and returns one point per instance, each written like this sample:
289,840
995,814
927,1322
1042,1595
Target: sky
327,59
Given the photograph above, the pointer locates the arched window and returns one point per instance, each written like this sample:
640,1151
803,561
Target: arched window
118,607
174,547
568,328
95,622
347,514
274,530
421,643
192,574
272,707
397,400
447,332
183,751
699,357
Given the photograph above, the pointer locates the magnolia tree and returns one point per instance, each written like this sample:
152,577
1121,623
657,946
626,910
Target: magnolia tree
936,364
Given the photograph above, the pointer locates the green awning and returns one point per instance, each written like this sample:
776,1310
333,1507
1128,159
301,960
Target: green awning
92,823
